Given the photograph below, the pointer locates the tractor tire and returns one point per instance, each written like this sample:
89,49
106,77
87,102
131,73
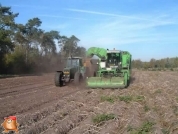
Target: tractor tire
82,77
58,81
76,78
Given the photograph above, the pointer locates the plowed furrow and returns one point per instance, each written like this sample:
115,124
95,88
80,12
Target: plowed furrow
67,115
34,101
22,85
23,89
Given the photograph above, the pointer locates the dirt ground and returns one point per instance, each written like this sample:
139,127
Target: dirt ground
149,104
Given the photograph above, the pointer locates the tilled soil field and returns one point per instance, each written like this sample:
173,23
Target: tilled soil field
148,105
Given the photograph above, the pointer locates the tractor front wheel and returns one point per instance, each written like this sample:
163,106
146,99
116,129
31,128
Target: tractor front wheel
58,79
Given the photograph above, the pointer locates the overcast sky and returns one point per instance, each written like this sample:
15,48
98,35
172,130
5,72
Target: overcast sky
145,28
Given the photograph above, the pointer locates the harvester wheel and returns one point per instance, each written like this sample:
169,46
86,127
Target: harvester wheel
128,83
58,79
76,78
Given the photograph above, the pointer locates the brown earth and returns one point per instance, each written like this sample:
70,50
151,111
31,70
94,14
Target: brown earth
42,108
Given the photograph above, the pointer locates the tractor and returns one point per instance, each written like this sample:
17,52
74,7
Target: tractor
73,71
114,68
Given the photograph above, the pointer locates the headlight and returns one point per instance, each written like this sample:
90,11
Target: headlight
66,72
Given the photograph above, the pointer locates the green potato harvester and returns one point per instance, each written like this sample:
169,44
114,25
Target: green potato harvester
114,68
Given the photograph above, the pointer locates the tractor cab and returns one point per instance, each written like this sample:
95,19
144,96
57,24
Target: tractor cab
74,62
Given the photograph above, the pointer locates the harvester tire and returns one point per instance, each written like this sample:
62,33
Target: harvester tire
58,79
128,83
76,78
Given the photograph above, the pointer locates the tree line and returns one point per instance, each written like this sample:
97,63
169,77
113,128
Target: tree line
153,64
26,48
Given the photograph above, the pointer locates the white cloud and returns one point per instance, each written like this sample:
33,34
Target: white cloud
125,29
57,16
133,17
121,31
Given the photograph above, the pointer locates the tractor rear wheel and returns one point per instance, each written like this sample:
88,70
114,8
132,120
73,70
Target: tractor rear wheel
58,79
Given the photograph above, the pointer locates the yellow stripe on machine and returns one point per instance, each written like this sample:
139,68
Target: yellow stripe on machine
66,72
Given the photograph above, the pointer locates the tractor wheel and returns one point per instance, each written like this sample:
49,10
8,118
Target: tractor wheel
82,77
58,81
76,78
